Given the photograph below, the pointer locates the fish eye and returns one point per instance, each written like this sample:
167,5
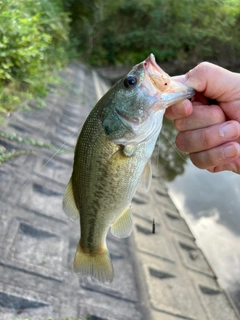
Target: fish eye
130,82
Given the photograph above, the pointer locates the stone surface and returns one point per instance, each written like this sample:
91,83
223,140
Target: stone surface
162,276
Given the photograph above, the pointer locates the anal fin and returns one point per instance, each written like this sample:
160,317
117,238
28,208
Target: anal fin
123,226
69,205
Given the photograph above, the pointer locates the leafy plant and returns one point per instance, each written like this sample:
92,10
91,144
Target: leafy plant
29,141
23,45
6,156
33,41
125,32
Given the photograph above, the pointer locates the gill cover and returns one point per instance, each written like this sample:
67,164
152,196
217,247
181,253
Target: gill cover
135,110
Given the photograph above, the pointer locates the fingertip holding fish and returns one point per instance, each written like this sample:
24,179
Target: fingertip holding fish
112,153
182,109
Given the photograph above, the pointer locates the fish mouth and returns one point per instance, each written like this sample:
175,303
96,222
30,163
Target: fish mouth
158,77
166,90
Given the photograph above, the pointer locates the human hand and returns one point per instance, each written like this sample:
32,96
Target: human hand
210,133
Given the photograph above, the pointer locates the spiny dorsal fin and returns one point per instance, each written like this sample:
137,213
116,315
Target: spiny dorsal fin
69,205
122,227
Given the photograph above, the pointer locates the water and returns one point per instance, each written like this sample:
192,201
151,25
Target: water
210,203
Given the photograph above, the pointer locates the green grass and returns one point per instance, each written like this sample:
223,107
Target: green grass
13,95
14,137
6,155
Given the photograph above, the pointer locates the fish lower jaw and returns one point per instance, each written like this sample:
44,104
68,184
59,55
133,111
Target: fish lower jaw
167,99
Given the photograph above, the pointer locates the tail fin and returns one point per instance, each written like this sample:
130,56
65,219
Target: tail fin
98,266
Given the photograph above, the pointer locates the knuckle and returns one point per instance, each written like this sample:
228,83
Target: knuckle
201,68
179,124
216,115
204,65
206,139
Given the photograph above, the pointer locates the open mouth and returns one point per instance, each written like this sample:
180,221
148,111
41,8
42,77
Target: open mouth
158,77
159,82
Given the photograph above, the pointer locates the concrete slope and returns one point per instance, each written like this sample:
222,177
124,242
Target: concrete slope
161,276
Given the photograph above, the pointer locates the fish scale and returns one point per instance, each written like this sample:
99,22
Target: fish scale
112,153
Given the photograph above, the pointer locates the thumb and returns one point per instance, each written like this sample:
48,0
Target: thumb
214,82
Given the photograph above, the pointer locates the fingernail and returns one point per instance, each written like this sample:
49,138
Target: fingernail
183,78
229,130
231,151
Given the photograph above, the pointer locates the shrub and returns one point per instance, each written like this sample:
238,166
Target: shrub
33,39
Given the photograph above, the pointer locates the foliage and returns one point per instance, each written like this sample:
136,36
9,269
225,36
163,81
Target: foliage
33,38
36,37
125,32
14,137
169,160
6,155
29,31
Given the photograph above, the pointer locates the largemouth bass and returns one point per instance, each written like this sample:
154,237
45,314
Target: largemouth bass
112,153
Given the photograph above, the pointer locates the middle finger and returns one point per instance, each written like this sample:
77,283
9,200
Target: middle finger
202,116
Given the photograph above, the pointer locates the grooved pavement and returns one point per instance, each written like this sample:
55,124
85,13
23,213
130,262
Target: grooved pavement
161,276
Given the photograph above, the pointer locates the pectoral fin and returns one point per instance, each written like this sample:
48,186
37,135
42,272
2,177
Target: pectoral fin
69,205
122,227
129,150
146,177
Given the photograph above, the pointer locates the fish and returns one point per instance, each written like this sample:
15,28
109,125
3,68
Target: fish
112,154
